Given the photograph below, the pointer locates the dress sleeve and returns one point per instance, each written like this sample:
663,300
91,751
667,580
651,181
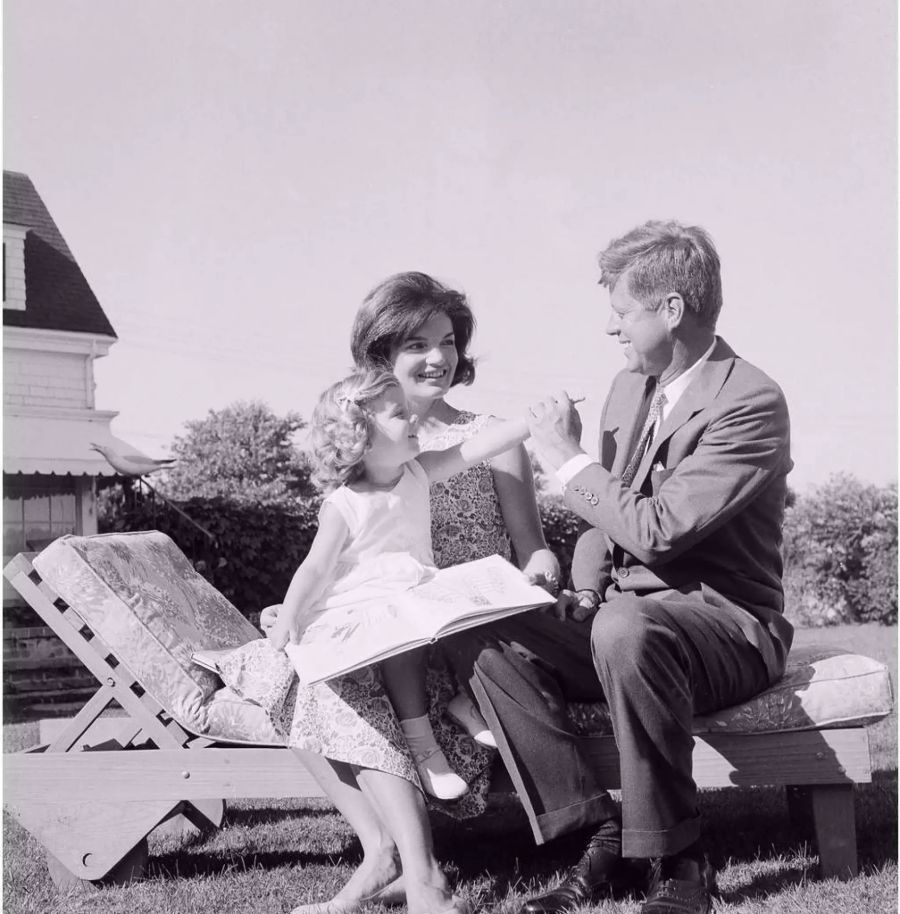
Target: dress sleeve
341,501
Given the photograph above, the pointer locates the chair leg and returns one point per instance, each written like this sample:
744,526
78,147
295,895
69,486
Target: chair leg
799,804
131,867
91,839
834,821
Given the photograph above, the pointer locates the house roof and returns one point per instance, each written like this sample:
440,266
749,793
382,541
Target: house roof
57,295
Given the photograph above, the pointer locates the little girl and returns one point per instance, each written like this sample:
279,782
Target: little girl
374,537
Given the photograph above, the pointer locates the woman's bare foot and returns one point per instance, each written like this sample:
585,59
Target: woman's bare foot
375,875
392,894
432,896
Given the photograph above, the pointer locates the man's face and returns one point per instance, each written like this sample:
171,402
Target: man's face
643,334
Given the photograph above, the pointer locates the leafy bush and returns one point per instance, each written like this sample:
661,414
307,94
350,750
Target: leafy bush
840,550
561,528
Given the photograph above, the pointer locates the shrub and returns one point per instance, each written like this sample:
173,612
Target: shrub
840,550
561,528
244,453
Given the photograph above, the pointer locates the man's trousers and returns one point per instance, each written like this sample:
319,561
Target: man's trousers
657,661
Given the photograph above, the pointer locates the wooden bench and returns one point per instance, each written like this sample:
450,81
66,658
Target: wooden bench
92,802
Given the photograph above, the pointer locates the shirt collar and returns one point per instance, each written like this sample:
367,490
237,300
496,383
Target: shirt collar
675,388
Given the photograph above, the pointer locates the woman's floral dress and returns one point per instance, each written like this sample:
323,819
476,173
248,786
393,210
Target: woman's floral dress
350,719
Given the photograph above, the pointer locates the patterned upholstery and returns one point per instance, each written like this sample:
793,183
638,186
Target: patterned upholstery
139,593
821,687
142,597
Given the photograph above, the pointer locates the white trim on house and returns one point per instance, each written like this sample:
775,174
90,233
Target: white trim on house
95,345
57,440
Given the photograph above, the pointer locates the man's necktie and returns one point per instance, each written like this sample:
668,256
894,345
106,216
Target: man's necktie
656,405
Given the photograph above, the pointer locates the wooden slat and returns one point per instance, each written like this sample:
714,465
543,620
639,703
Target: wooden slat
763,759
155,774
829,757
82,721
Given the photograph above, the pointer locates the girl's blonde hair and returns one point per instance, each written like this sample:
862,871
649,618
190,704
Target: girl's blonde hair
340,426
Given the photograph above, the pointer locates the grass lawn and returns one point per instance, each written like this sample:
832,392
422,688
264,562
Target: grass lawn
271,855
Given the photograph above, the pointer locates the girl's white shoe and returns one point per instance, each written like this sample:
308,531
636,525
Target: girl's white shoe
438,778
464,712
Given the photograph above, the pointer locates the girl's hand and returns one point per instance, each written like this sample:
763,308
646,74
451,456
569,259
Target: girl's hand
269,616
284,631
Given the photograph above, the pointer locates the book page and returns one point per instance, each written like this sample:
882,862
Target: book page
346,637
472,589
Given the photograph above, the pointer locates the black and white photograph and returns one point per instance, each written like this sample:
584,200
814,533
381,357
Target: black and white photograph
450,456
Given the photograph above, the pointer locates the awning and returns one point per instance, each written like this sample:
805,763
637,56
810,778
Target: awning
59,441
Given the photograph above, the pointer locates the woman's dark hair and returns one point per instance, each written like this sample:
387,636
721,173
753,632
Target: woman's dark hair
397,307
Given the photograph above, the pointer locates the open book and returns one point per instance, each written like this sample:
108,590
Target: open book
463,596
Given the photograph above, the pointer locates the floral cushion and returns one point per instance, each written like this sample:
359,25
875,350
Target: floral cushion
141,596
821,687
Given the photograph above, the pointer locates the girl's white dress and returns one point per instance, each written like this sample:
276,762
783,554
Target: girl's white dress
350,719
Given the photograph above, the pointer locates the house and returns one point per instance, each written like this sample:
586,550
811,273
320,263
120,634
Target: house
53,330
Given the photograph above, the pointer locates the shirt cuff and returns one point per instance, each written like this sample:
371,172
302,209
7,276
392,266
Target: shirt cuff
572,467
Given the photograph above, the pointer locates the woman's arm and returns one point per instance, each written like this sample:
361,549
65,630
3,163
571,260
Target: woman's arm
309,580
490,441
514,482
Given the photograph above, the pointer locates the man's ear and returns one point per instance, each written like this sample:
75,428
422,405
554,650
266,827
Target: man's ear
673,310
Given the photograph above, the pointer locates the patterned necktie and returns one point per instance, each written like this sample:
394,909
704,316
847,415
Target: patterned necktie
656,405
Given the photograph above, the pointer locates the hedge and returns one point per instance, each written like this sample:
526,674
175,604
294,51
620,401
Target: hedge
840,547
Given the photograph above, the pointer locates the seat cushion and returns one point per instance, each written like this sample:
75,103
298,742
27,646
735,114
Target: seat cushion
139,594
821,687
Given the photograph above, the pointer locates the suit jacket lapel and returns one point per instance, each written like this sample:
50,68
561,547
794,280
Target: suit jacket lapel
701,391
631,426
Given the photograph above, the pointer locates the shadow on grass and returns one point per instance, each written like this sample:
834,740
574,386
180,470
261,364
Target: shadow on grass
182,865
747,830
271,815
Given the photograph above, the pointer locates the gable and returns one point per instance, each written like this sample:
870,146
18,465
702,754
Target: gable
57,294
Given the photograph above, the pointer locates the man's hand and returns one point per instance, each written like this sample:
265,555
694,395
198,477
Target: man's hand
556,429
575,605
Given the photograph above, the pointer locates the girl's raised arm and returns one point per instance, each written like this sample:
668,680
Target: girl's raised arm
310,579
493,440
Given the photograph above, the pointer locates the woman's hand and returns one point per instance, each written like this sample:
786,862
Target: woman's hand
542,569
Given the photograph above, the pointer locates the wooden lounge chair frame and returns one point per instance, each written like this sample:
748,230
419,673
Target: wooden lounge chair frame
92,802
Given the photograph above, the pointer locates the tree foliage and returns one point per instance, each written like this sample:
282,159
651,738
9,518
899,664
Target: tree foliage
840,550
243,453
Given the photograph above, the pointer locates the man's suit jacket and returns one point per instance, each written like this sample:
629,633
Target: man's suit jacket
703,514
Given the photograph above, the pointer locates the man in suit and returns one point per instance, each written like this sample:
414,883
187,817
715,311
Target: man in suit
675,606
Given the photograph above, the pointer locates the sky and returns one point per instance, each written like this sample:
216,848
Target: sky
233,178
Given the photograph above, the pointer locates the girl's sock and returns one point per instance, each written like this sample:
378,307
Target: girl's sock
462,709
438,778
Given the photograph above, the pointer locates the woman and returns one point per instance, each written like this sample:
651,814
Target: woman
421,330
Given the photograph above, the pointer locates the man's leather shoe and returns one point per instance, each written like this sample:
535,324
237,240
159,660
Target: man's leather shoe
670,894
595,876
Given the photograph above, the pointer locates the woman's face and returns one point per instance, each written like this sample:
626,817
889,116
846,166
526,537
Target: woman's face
426,361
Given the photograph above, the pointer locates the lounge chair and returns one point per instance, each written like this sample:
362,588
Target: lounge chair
132,609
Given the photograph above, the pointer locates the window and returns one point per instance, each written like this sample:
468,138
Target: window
37,510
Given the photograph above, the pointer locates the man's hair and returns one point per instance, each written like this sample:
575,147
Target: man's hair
339,430
397,308
661,258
